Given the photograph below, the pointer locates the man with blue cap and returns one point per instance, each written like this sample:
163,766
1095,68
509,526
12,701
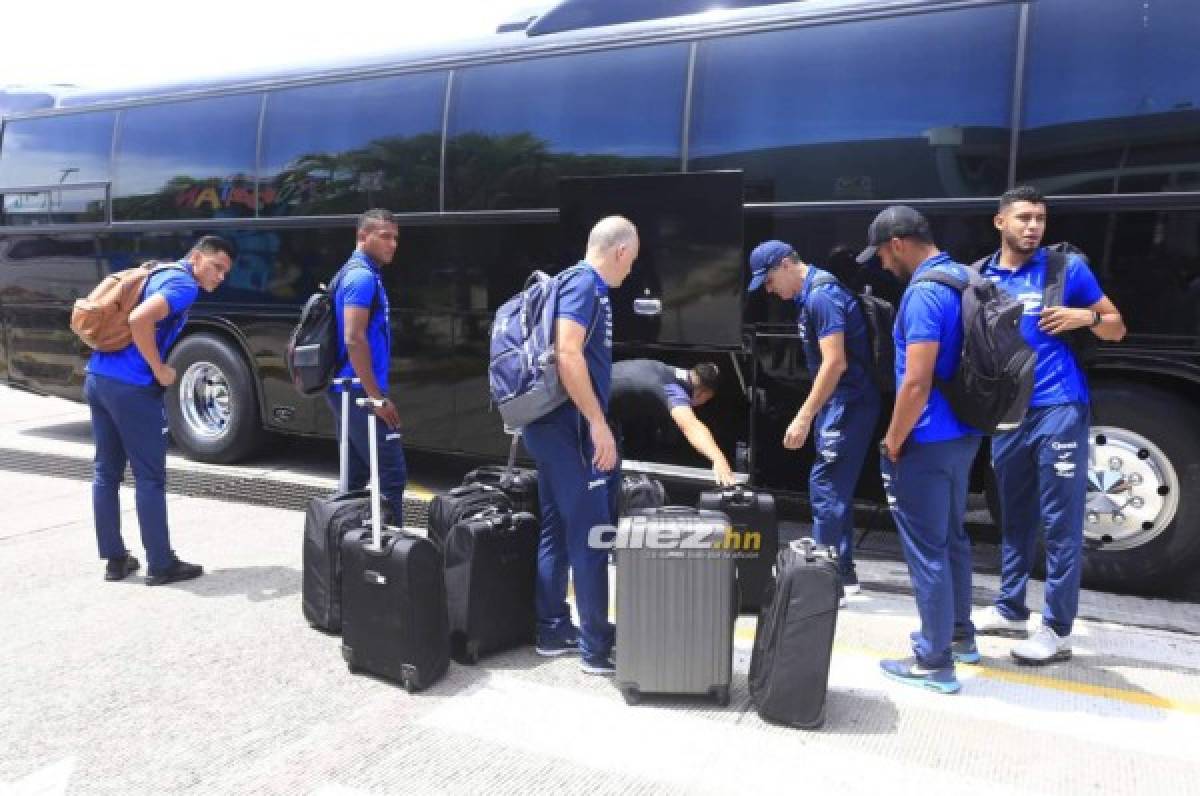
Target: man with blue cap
843,402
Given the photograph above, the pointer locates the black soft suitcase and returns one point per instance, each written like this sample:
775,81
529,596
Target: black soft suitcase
472,500
639,491
521,485
328,519
491,567
752,515
394,621
793,644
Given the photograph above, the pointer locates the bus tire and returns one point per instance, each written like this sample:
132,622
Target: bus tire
212,409
1142,524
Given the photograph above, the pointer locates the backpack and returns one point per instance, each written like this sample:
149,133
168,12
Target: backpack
994,381
880,317
522,369
101,320
1082,342
312,349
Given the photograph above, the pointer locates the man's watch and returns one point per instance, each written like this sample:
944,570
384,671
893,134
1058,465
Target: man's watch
1097,319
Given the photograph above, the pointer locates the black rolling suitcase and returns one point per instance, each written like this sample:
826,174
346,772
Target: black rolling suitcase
639,491
328,520
789,667
491,568
394,621
752,515
521,485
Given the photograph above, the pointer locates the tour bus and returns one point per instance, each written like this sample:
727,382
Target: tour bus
815,115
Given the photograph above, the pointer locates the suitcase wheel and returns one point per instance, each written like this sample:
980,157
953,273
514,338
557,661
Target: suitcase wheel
348,657
720,693
408,684
472,652
632,695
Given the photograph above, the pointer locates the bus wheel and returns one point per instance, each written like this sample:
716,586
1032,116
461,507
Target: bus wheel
212,409
1142,522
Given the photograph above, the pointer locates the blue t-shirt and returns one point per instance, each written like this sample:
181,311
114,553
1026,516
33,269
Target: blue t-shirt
1057,377
361,286
932,313
828,309
180,289
582,294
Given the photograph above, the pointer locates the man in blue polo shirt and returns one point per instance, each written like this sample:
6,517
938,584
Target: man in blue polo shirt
365,351
124,391
1041,466
927,452
576,453
843,402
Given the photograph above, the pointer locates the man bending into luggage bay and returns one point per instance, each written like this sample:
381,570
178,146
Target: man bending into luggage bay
124,391
576,453
648,388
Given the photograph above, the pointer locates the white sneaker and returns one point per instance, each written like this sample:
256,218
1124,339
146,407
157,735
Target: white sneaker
1045,646
990,622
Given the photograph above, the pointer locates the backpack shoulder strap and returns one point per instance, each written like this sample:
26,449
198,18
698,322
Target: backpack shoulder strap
1055,288
982,262
942,278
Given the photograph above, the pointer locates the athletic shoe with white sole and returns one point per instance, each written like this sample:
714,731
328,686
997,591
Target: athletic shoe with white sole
1045,646
990,622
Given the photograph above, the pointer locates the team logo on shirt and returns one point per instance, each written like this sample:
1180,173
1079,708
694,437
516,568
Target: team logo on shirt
1032,299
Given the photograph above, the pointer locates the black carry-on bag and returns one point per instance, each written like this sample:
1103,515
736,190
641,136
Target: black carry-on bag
755,537
518,483
793,644
640,491
394,622
328,520
675,607
491,568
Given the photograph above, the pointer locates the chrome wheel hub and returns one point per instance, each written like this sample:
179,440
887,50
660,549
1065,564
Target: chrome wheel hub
1133,490
204,399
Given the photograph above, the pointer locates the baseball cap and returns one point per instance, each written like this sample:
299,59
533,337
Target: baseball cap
766,256
897,221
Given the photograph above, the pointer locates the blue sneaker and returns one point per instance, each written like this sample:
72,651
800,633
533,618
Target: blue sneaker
965,651
563,641
910,672
598,665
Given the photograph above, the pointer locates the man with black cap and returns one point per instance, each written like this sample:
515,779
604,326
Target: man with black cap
843,402
927,452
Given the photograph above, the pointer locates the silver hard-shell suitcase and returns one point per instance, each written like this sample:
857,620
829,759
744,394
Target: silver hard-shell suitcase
676,603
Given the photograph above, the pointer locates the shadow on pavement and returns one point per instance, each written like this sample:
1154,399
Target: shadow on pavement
257,584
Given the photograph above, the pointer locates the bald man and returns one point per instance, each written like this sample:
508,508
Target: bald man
576,454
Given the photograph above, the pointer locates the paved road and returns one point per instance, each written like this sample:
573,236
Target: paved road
218,685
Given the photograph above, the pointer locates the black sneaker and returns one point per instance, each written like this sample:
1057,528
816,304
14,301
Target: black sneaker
179,570
120,568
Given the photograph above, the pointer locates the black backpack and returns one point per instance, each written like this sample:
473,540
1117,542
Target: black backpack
880,317
1082,342
994,381
312,350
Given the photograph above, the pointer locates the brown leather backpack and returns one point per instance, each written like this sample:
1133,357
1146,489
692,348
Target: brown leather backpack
101,320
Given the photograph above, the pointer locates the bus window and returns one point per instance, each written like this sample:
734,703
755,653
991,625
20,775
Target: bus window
1112,97
909,107
50,151
187,159
348,147
515,128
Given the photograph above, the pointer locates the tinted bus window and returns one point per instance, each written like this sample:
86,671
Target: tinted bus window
347,147
187,159
915,106
56,150
516,128
1113,106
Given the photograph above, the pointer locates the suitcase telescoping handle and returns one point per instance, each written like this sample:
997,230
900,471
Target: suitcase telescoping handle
370,404
346,383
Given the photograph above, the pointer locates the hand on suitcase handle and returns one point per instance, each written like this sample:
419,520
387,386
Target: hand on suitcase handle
383,408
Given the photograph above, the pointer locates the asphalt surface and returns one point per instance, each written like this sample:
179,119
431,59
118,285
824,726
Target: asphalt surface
219,686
